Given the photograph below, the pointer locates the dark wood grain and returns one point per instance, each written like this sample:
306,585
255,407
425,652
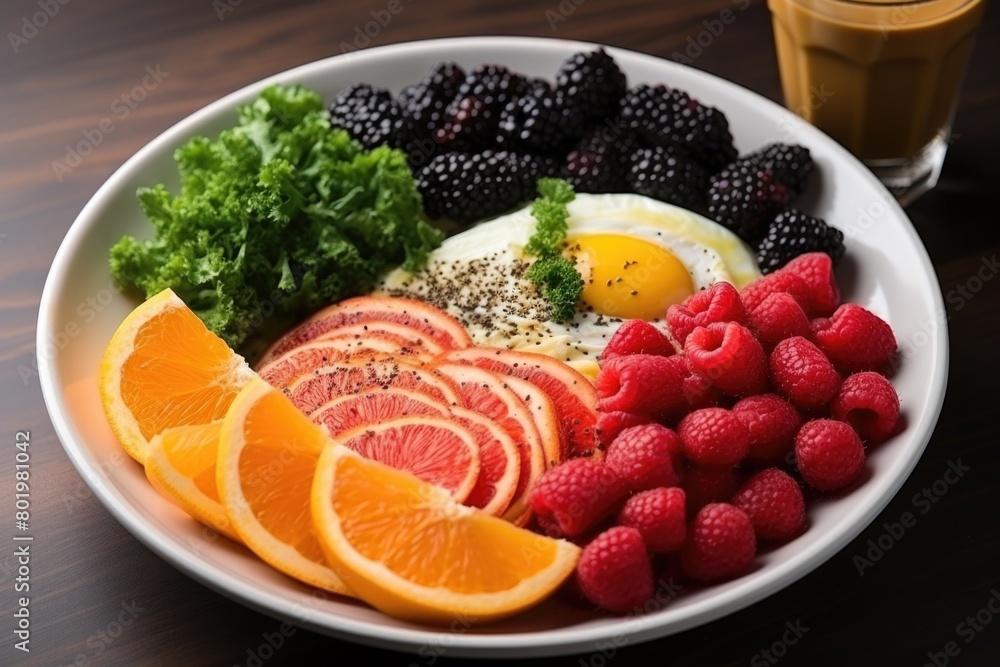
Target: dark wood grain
64,81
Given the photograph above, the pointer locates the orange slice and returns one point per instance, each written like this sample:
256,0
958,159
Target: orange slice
408,549
267,457
180,464
164,368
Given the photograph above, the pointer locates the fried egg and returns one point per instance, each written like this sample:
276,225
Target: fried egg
636,255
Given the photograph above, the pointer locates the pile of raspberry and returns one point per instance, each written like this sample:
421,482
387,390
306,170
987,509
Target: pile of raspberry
715,426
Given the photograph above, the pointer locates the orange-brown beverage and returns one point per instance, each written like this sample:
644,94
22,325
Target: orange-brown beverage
881,77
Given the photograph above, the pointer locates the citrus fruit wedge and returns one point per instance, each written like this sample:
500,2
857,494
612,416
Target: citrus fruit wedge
500,465
164,368
408,549
180,464
267,457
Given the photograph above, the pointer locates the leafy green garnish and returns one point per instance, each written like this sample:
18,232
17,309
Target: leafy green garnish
560,282
276,217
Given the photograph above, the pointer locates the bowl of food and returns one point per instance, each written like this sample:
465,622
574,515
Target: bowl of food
511,358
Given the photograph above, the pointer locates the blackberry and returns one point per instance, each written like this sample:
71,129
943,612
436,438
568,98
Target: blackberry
669,175
745,198
670,117
467,188
494,85
425,102
469,124
793,233
791,164
599,161
592,81
370,116
540,121
539,166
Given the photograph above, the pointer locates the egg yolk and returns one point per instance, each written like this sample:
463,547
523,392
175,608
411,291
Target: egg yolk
629,277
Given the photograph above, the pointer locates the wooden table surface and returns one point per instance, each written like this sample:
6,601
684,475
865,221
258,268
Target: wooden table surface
61,79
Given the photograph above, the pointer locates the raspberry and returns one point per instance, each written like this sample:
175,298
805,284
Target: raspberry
829,454
772,423
670,117
714,437
637,337
729,356
575,495
610,424
719,303
792,233
642,383
658,514
774,503
720,544
869,403
646,457
754,294
792,165
855,339
802,374
592,81
816,271
709,484
745,199
779,317
668,174
614,571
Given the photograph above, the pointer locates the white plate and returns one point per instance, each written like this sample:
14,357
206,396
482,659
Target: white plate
887,270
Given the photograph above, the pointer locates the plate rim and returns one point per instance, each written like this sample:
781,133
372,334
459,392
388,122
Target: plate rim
558,641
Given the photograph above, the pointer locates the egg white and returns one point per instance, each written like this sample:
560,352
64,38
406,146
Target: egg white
478,275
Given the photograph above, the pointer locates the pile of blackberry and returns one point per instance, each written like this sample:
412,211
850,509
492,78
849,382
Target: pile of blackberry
477,142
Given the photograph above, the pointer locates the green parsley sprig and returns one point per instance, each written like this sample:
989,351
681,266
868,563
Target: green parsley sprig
560,282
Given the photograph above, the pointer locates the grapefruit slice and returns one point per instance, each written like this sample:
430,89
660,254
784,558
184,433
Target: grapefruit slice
573,396
401,335
490,395
267,459
301,361
372,407
438,450
441,327
407,548
354,375
500,467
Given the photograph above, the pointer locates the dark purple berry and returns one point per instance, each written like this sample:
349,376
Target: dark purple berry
599,161
370,116
540,121
425,102
745,198
466,188
593,81
669,175
793,233
469,124
791,164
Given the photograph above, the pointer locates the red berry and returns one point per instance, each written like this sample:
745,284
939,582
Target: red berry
816,271
729,356
658,514
772,423
637,337
803,374
773,283
646,457
774,503
829,454
575,495
779,317
641,383
719,303
610,424
720,544
614,571
855,339
714,437
869,403
707,484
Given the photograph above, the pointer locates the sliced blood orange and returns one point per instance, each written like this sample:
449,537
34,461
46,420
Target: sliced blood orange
441,327
374,344
500,465
372,407
574,397
354,375
438,450
407,548
490,395
402,336
303,360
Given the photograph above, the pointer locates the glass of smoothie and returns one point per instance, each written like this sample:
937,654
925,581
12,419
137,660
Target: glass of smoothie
880,76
